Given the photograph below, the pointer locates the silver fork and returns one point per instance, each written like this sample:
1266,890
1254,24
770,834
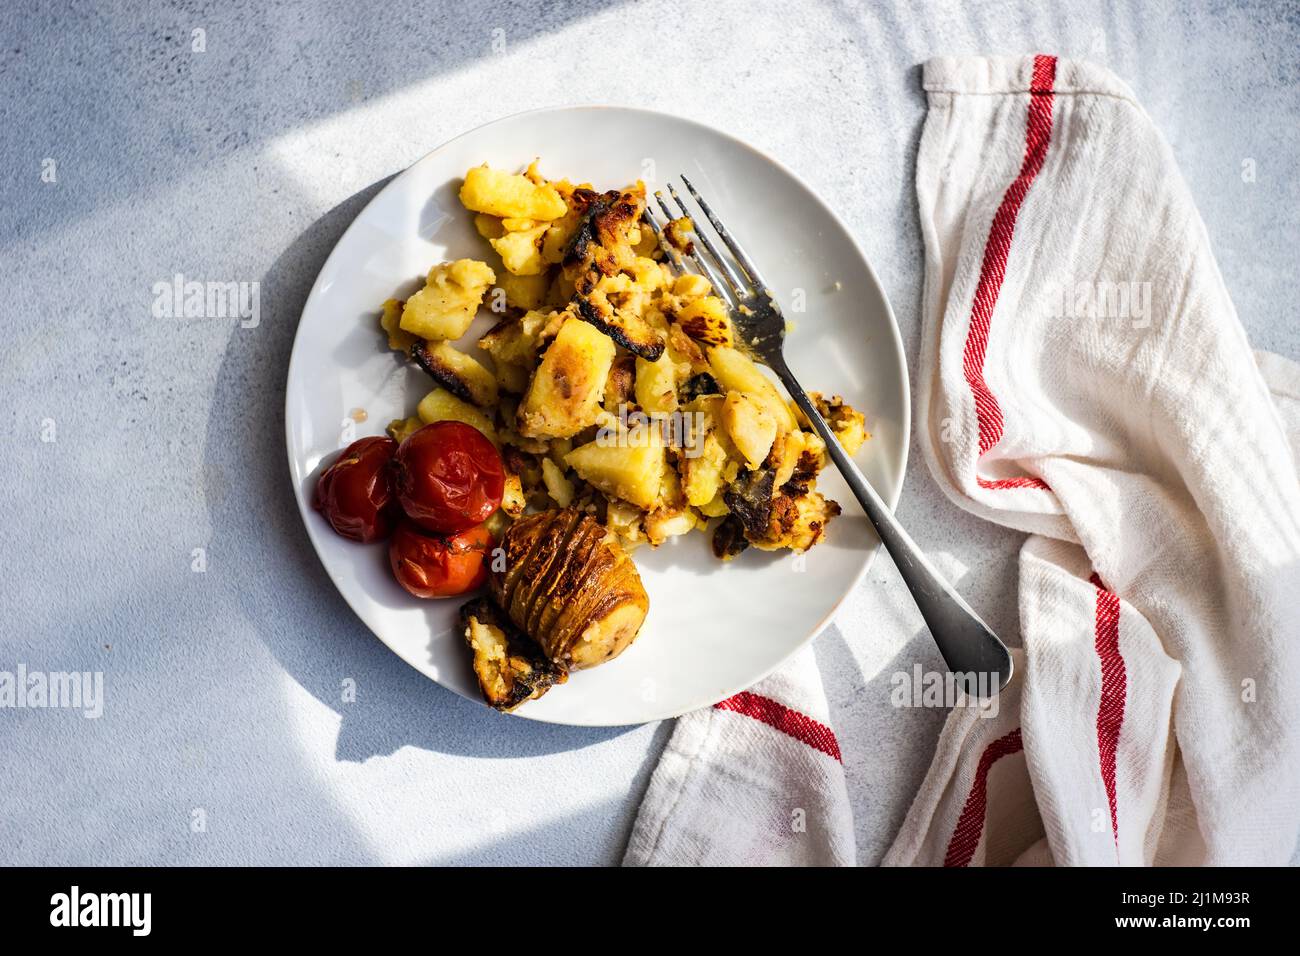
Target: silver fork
968,645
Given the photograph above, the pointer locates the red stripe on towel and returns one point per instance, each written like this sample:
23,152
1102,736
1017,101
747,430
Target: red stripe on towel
775,714
1114,687
1024,482
1038,135
970,825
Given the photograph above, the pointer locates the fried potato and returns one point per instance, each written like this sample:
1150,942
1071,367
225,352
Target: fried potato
564,395
389,320
440,406
627,464
706,320
510,668
736,371
445,307
508,195
595,330
750,425
570,587
457,372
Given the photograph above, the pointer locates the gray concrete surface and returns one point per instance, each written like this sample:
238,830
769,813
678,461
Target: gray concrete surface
224,737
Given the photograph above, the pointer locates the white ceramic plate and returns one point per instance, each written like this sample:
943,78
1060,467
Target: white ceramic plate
713,629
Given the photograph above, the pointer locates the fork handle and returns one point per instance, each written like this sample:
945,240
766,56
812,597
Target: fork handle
968,645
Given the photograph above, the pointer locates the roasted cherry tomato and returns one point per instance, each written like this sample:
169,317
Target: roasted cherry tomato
355,494
448,477
433,566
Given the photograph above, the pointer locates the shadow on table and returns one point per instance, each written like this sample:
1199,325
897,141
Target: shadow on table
208,83
395,706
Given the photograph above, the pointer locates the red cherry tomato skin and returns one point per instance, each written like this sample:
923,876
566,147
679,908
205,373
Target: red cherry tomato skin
448,477
430,566
355,493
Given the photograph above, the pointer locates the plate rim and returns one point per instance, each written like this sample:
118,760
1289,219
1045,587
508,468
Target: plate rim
896,340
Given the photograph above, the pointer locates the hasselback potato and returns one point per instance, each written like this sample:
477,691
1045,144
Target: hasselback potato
569,585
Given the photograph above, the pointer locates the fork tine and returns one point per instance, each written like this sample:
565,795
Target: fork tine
741,258
738,286
705,268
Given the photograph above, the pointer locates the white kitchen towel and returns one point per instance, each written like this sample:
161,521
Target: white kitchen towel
752,781
1084,378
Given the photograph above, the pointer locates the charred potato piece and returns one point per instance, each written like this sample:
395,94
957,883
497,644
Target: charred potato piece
729,539
622,325
678,235
510,668
706,320
796,522
622,377
750,501
697,385
602,248
455,371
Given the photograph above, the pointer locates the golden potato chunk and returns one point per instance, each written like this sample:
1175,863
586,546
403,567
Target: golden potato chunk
440,406
489,227
445,307
558,486
389,321
517,341
521,251
750,425
525,292
691,286
509,195
656,385
564,395
626,464
736,371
